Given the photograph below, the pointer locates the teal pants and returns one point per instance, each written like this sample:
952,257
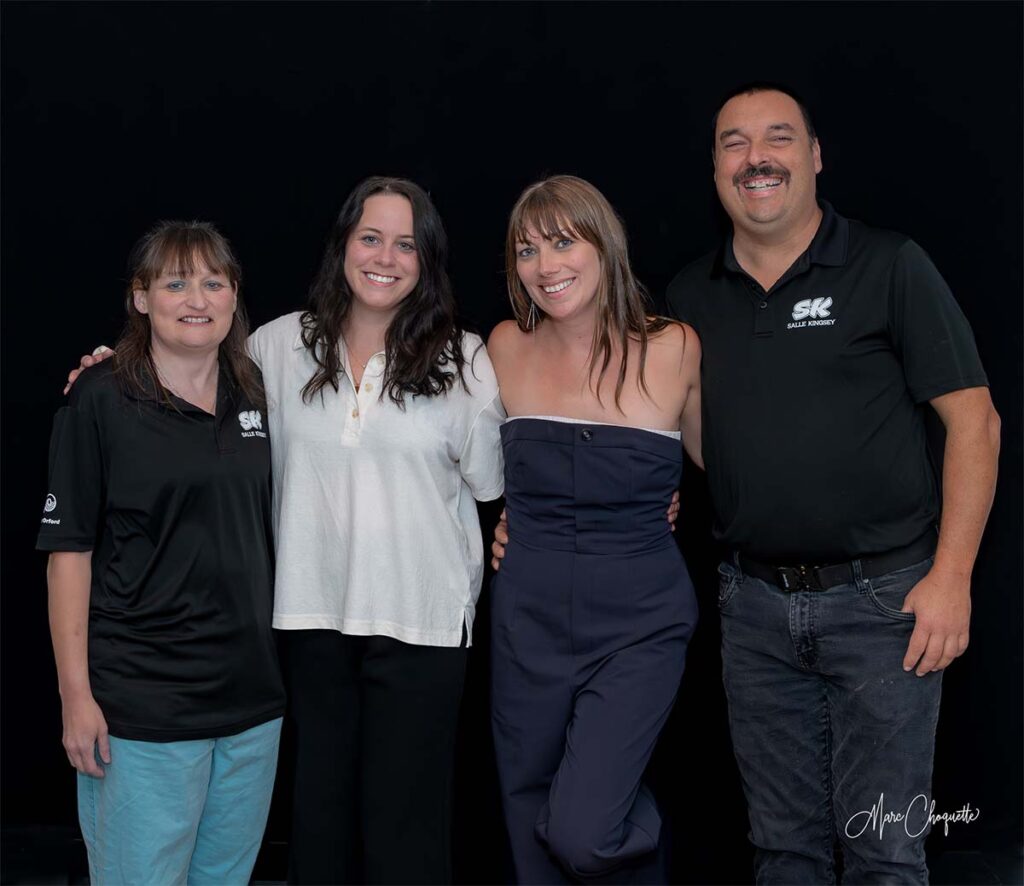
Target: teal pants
179,812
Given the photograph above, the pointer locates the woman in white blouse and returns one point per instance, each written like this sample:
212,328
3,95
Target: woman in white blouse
385,418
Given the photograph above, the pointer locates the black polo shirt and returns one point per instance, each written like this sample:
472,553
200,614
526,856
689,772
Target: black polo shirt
174,504
814,393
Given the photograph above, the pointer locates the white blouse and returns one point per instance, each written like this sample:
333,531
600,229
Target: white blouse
375,522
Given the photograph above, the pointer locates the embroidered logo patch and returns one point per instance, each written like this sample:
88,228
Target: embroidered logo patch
811,307
252,423
811,312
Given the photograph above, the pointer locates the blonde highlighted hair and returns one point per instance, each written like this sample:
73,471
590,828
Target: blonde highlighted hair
565,205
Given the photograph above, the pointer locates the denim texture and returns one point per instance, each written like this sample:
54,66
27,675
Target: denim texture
830,733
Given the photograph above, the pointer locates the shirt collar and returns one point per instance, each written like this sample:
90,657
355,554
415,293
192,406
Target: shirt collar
829,247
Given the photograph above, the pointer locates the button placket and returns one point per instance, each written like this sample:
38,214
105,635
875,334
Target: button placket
369,386
764,316
351,426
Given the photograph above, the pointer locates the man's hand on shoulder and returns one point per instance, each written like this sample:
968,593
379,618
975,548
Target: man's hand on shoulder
941,603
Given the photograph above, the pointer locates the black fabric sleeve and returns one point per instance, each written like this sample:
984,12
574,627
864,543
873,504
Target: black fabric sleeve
928,329
74,503
677,302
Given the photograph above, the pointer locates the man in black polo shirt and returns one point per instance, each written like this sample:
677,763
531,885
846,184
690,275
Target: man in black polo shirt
824,343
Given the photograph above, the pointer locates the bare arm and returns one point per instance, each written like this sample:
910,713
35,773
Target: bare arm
497,345
689,422
69,575
690,426
941,601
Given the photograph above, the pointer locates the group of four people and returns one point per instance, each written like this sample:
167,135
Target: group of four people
822,342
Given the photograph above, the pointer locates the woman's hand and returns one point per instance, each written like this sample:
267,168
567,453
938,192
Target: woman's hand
500,540
85,730
98,356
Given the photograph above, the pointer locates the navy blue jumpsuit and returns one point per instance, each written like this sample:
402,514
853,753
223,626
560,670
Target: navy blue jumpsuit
592,612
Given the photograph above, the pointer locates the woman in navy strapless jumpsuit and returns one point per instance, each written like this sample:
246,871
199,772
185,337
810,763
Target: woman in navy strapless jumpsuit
592,607
592,611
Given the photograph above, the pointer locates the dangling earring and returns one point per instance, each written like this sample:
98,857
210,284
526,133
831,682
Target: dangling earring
531,318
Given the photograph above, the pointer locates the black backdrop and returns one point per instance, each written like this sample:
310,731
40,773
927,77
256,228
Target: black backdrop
260,117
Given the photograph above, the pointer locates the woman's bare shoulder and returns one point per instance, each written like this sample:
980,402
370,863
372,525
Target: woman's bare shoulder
674,336
674,349
506,338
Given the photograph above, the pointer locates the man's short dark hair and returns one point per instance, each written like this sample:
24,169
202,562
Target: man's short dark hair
765,86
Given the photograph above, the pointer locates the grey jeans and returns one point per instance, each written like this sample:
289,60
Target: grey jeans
831,736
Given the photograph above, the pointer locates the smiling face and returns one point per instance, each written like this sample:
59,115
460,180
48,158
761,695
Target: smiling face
381,262
188,312
561,273
765,163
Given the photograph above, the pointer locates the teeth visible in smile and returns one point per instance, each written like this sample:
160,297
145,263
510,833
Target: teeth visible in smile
558,287
195,320
762,184
380,278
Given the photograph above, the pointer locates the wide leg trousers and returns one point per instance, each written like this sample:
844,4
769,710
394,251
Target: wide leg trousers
375,723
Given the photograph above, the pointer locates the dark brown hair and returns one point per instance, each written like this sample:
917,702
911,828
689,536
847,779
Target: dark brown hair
178,247
423,343
565,205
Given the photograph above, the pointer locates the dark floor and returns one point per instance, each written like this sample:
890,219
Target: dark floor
33,856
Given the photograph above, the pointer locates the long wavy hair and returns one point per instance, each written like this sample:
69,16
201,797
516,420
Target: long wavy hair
423,342
179,247
566,205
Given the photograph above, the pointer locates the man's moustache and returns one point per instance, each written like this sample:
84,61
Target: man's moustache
758,171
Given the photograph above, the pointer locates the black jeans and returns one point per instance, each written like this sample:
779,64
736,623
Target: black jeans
375,724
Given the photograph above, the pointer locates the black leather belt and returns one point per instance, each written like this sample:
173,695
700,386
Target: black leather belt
806,577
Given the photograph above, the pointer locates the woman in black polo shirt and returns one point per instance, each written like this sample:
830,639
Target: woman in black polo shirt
158,520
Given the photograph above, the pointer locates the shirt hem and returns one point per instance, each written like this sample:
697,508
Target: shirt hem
490,494
923,395
412,636
64,545
144,733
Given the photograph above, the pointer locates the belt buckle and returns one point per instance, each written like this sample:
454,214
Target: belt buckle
797,578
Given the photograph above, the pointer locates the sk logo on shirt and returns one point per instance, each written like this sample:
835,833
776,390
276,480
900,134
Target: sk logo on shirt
252,423
811,312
